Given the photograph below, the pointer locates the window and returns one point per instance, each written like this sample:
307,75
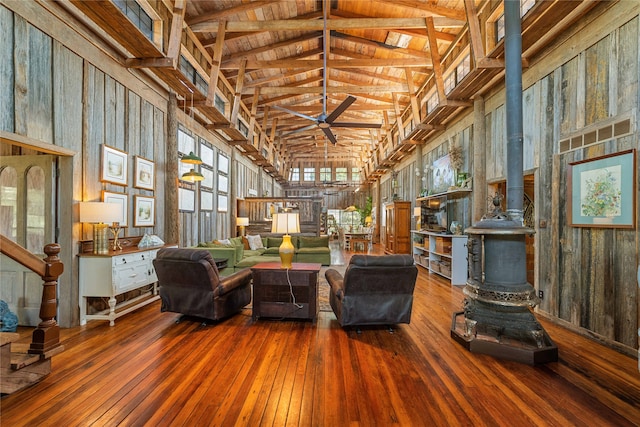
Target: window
223,182
189,71
463,68
449,82
499,29
355,174
432,102
325,174
219,103
341,174
309,174
244,129
137,16
294,174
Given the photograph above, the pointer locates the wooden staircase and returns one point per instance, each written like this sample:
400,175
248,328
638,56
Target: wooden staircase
18,367
23,363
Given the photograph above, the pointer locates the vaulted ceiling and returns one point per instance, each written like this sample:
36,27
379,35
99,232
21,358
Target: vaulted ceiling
347,82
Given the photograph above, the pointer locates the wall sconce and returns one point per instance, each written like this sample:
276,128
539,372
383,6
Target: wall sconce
286,223
242,222
98,214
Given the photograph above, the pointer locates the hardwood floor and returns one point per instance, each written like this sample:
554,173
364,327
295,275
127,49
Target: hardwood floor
148,370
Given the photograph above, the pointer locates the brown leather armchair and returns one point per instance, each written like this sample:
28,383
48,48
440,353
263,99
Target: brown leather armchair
190,284
375,290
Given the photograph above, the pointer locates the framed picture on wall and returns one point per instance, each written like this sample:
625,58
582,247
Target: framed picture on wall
121,199
602,191
144,174
144,211
114,166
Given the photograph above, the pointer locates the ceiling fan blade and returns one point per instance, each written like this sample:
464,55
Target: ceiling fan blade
295,113
340,109
356,125
330,135
302,129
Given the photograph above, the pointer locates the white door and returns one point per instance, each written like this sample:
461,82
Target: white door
27,216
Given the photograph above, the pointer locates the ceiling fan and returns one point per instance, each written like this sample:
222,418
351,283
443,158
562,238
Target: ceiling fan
325,121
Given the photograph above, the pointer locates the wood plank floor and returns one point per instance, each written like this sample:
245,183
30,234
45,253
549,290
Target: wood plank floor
148,370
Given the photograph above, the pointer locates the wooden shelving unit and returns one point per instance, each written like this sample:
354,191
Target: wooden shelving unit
443,254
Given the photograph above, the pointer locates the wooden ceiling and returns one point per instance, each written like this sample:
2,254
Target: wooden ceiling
273,62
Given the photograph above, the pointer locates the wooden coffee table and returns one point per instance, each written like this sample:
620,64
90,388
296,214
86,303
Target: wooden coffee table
273,287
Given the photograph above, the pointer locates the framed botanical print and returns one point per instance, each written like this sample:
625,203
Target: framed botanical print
121,199
114,166
602,191
144,211
144,174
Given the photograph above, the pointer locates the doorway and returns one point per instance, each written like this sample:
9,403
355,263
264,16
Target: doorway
27,217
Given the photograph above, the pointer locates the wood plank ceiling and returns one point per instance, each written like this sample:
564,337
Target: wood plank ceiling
284,66
377,52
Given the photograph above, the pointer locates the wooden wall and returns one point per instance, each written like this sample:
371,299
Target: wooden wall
587,275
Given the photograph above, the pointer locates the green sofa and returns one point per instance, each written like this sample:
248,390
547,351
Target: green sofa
311,249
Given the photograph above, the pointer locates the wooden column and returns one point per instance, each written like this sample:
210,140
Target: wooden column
479,173
171,216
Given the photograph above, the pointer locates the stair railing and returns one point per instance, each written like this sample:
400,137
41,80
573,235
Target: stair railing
46,336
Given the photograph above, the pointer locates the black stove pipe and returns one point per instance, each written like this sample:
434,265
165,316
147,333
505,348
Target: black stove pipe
513,83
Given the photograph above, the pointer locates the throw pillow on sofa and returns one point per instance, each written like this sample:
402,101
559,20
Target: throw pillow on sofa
255,242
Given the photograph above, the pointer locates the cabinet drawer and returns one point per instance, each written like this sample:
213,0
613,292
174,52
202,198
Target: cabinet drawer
131,275
125,259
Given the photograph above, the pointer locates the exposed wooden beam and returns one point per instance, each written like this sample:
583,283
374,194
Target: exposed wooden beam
268,90
318,25
215,65
175,33
435,58
349,63
283,43
241,8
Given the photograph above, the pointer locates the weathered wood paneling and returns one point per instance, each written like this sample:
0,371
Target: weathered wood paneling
6,73
597,60
626,94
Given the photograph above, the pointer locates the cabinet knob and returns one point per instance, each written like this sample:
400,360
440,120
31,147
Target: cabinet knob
133,275
124,260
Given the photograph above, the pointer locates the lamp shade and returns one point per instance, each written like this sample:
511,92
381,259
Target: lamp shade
192,176
191,158
97,212
417,211
285,223
242,221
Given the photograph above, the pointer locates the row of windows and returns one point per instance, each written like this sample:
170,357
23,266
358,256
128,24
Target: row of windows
309,174
137,16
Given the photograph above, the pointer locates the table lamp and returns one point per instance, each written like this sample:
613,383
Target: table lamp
99,214
242,222
286,223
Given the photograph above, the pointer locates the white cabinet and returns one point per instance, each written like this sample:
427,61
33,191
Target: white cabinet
113,274
443,254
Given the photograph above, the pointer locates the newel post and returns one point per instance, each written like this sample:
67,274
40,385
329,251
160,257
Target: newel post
47,335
